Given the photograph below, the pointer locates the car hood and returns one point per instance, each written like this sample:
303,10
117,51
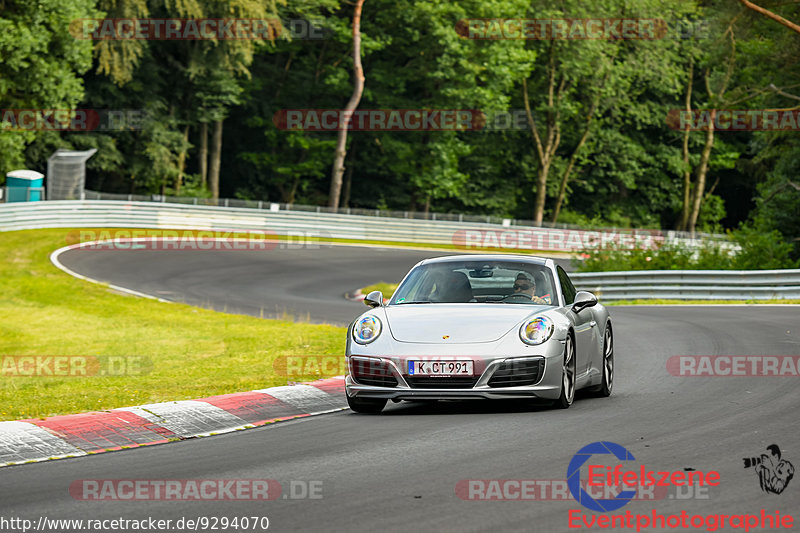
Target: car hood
456,323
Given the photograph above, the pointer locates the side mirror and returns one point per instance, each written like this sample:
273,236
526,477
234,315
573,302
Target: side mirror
375,299
583,300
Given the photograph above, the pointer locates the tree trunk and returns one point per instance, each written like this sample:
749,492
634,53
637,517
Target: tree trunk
541,190
216,156
702,169
203,155
182,161
348,181
293,191
562,189
412,203
341,143
687,172
546,152
717,99
348,177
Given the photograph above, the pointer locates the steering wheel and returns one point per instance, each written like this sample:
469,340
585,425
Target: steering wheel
517,295
535,299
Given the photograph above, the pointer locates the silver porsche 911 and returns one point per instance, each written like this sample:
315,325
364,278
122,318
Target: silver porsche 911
480,326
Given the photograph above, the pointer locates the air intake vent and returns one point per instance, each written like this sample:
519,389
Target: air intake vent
518,372
443,383
374,372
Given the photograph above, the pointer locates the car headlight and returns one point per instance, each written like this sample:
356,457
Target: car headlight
537,330
367,329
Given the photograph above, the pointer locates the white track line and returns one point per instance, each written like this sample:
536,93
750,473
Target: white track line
54,259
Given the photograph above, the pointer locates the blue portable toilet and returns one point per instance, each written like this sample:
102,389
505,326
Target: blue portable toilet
24,186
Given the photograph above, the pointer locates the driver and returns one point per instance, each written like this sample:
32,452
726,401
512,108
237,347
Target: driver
526,286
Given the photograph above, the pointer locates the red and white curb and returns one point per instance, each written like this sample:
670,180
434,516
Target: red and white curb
34,440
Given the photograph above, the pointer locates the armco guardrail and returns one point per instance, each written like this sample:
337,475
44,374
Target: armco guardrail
672,284
691,284
465,236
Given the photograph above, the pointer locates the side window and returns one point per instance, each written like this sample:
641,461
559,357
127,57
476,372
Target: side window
567,288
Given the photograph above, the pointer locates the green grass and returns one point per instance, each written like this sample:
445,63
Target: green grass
386,288
193,352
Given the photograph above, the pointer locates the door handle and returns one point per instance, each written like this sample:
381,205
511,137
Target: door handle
593,323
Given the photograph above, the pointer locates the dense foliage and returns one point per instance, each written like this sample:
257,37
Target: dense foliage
595,147
745,249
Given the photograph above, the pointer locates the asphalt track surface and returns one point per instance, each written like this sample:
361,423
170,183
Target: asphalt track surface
307,283
399,471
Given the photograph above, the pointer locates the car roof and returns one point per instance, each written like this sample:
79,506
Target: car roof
490,257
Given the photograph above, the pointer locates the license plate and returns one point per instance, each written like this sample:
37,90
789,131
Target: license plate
440,368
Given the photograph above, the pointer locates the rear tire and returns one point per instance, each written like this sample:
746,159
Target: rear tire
567,376
371,406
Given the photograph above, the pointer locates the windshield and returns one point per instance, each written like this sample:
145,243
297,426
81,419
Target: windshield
477,282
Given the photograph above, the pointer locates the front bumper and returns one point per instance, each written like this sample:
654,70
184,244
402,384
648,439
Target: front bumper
484,387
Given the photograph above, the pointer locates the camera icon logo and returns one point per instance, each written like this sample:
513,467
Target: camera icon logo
773,472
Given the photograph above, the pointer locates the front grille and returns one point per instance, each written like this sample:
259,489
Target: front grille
377,381
443,383
372,372
515,373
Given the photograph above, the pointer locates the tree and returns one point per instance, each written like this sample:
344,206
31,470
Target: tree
767,13
352,104
42,66
579,86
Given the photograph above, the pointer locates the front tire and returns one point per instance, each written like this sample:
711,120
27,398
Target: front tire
567,376
371,406
608,364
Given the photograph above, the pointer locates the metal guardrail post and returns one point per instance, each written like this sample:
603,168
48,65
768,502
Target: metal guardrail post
361,226
670,234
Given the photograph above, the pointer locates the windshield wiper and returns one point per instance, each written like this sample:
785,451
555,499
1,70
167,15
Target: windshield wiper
414,302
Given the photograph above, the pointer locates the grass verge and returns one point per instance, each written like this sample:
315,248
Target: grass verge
386,288
189,352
